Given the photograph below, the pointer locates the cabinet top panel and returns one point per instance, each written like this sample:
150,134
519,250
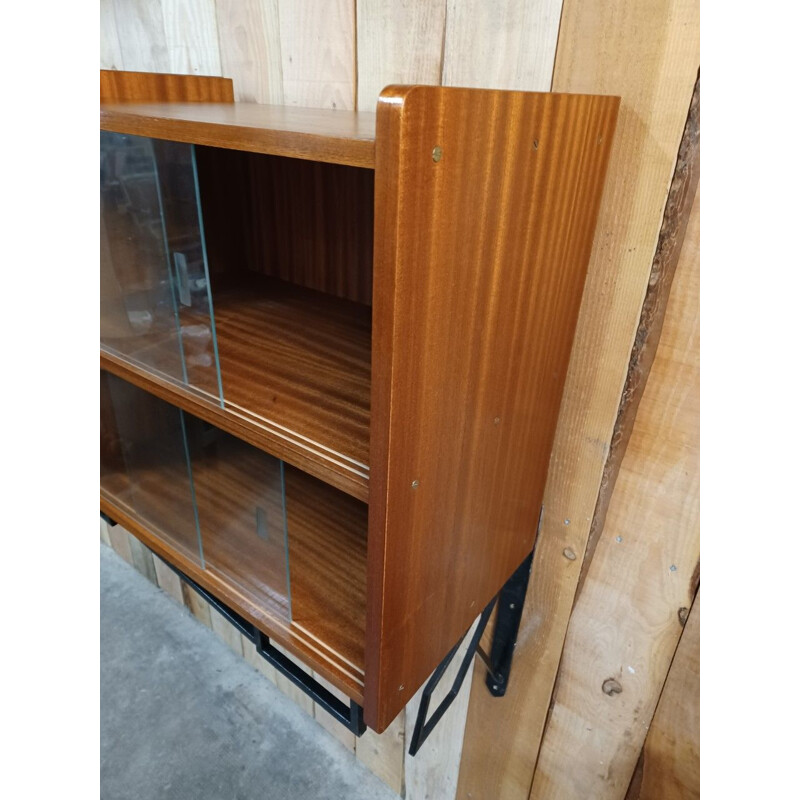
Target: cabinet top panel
336,137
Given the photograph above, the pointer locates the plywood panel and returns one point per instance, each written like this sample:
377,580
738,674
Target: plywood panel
671,757
318,53
628,618
648,53
398,43
190,32
506,44
250,49
143,43
477,285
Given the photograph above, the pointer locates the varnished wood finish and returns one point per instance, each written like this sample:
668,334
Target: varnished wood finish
480,261
306,222
119,86
295,375
335,137
327,549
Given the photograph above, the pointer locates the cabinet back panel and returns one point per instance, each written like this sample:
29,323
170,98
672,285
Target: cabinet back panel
306,222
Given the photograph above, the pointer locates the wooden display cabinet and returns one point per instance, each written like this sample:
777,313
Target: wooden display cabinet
376,308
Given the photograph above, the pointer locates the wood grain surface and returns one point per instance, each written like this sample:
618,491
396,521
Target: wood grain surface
250,48
398,43
302,221
336,137
671,754
647,53
327,548
295,368
478,274
147,87
501,45
318,53
644,573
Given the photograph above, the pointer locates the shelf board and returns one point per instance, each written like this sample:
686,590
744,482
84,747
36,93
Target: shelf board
295,374
327,559
336,137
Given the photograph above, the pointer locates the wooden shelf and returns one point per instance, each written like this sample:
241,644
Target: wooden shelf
327,555
336,137
295,373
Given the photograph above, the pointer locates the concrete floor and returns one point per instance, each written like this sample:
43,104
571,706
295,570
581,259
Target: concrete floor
183,718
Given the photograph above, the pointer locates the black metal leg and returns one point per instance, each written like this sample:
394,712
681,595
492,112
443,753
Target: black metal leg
422,728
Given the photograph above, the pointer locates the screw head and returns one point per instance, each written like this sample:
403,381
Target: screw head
497,420
437,154
494,686
673,568
512,605
415,484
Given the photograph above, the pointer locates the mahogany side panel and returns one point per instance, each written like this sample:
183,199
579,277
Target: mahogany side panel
119,86
486,204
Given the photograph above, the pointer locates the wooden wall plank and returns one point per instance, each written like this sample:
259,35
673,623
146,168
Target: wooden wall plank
628,617
335,728
507,44
433,772
190,32
143,43
252,657
648,53
121,542
110,50
226,631
318,53
384,754
197,605
167,580
143,560
104,537
671,762
398,43
250,49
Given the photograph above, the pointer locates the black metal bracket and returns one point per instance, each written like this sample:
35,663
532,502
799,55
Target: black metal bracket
423,728
111,523
509,603
352,716
506,627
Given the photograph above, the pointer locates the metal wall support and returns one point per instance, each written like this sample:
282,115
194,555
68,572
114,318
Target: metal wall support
423,728
509,613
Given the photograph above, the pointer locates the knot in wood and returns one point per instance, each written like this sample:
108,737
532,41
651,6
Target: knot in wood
611,686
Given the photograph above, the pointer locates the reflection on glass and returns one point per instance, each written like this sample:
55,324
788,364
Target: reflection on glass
143,462
241,509
155,293
215,498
